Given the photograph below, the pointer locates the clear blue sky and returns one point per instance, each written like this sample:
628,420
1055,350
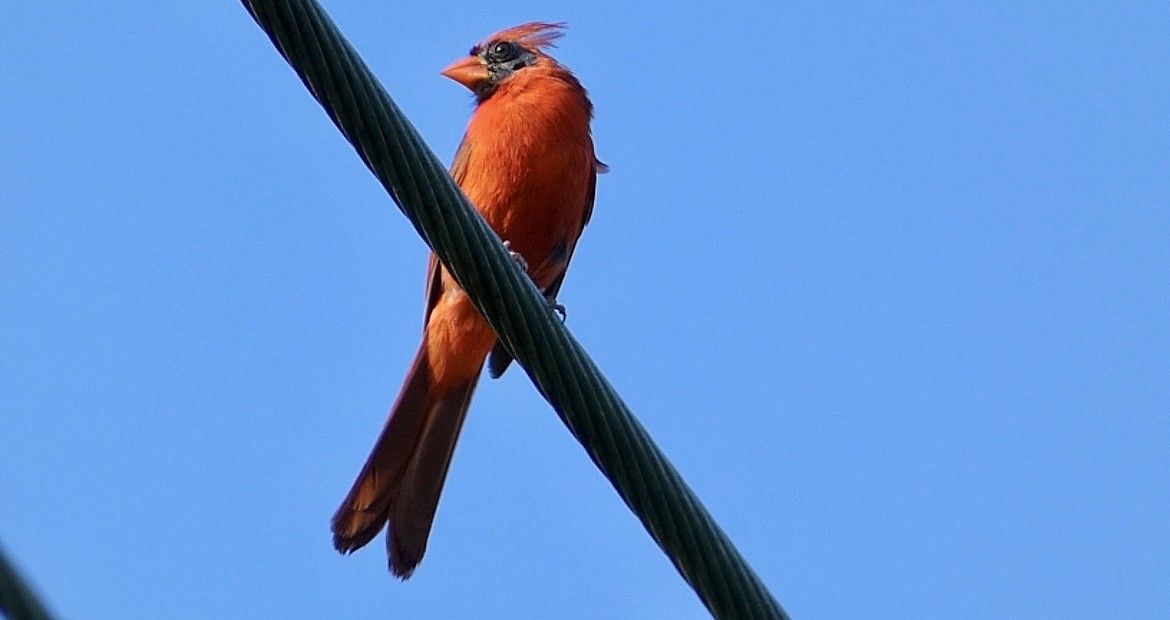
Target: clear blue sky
891,286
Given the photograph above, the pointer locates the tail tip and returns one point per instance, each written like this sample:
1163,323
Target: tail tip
404,553
350,535
401,567
401,572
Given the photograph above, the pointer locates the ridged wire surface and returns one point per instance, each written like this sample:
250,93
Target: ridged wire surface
17,600
511,304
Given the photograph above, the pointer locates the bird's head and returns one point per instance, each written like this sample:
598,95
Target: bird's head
502,55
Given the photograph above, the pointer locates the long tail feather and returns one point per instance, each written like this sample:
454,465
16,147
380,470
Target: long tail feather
404,474
413,510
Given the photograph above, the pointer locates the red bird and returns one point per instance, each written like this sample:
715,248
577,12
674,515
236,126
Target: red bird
528,166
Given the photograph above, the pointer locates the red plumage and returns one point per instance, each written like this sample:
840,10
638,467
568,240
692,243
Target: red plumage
527,164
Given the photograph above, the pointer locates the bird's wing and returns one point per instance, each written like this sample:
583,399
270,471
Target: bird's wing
499,359
434,286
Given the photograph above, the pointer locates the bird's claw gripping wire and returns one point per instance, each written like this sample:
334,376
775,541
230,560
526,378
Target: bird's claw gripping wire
552,303
516,256
558,308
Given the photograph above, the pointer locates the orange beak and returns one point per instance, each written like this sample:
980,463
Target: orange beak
468,71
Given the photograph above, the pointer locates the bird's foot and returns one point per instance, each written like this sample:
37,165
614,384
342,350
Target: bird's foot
558,308
516,257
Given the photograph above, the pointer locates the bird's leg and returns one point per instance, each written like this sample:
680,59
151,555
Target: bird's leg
552,302
558,308
516,256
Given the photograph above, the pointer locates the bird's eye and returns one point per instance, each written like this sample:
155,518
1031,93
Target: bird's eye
503,51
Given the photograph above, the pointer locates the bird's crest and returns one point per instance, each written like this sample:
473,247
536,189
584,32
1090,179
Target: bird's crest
533,35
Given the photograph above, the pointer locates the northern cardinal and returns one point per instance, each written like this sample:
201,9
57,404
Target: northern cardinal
527,164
